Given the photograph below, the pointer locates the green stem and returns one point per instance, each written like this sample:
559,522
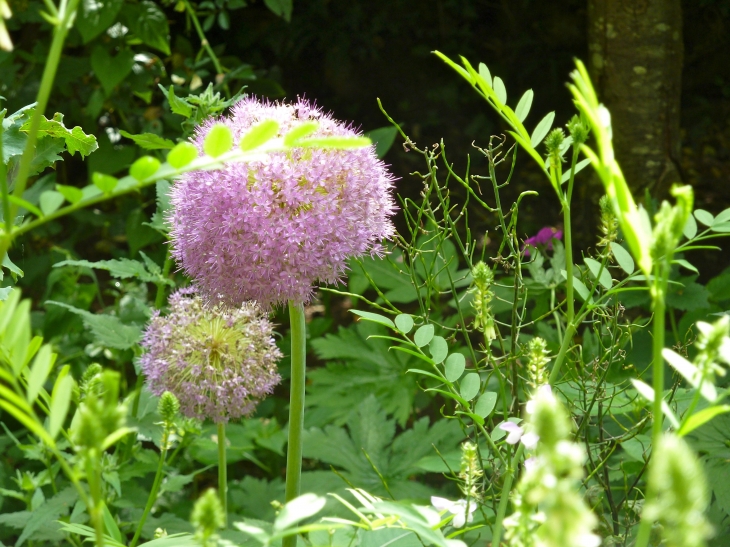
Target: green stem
567,233
155,487
94,508
204,42
504,500
223,470
160,297
296,407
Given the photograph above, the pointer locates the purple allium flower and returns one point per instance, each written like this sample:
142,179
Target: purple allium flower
269,230
218,361
543,239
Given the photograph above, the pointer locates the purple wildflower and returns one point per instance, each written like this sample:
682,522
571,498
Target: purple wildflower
219,362
269,230
543,239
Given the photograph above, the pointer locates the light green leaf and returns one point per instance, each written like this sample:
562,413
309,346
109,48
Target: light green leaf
375,318
60,401
690,228
700,418
682,262
722,217
71,193
691,373
469,386
178,105
183,154
299,509
542,129
259,135
149,23
623,258
499,90
144,167
438,348
149,141
110,524
485,404
647,392
704,217
523,107
484,73
423,335
578,167
404,323
383,139
105,183
454,366
594,266
303,130
76,140
39,372
26,204
218,141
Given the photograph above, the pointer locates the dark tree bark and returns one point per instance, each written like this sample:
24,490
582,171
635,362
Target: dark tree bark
636,55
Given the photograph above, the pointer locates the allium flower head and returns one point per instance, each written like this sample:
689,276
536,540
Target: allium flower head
269,230
218,361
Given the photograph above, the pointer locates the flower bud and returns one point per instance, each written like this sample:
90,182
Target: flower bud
207,517
168,407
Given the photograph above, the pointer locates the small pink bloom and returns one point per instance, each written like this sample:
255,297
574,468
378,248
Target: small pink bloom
543,239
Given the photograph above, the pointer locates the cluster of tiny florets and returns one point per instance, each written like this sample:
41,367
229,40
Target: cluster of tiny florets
219,362
269,230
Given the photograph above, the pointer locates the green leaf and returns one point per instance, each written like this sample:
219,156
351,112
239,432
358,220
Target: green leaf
484,73
499,90
383,139
647,392
623,258
105,183
704,217
594,266
27,205
454,366
122,268
700,418
183,154
71,193
690,228
60,401
95,16
438,348
523,107
578,168
542,129
298,509
218,141
108,330
178,105
39,372
48,512
469,386
423,335
110,524
691,373
485,404
75,139
404,323
722,228
281,8
375,318
111,71
682,262
149,23
144,168
149,141
301,131
259,135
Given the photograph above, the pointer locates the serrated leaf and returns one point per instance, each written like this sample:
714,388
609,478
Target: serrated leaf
177,105
39,371
454,366
218,141
404,323
704,217
623,258
75,139
438,348
469,386
523,107
375,318
423,335
48,512
71,193
542,129
499,90
149,141
122,268
594,266
259,135
108,330
60,401
485,404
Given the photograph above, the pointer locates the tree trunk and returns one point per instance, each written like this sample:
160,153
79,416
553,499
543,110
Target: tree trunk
636,55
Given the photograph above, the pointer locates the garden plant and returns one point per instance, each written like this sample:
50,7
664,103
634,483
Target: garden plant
481,385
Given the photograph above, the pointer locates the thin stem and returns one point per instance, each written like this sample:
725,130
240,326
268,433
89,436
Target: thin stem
160,297
204,42
504,500
296,407
223,470
155,487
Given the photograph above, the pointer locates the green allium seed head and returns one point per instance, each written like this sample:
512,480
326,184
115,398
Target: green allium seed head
168,407
553,142
680,493
207,517
578,130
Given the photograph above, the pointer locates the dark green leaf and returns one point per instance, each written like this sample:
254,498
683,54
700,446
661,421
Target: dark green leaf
111,71
178,105
108,330
282,8
95,16
383,139
149,141
149,23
